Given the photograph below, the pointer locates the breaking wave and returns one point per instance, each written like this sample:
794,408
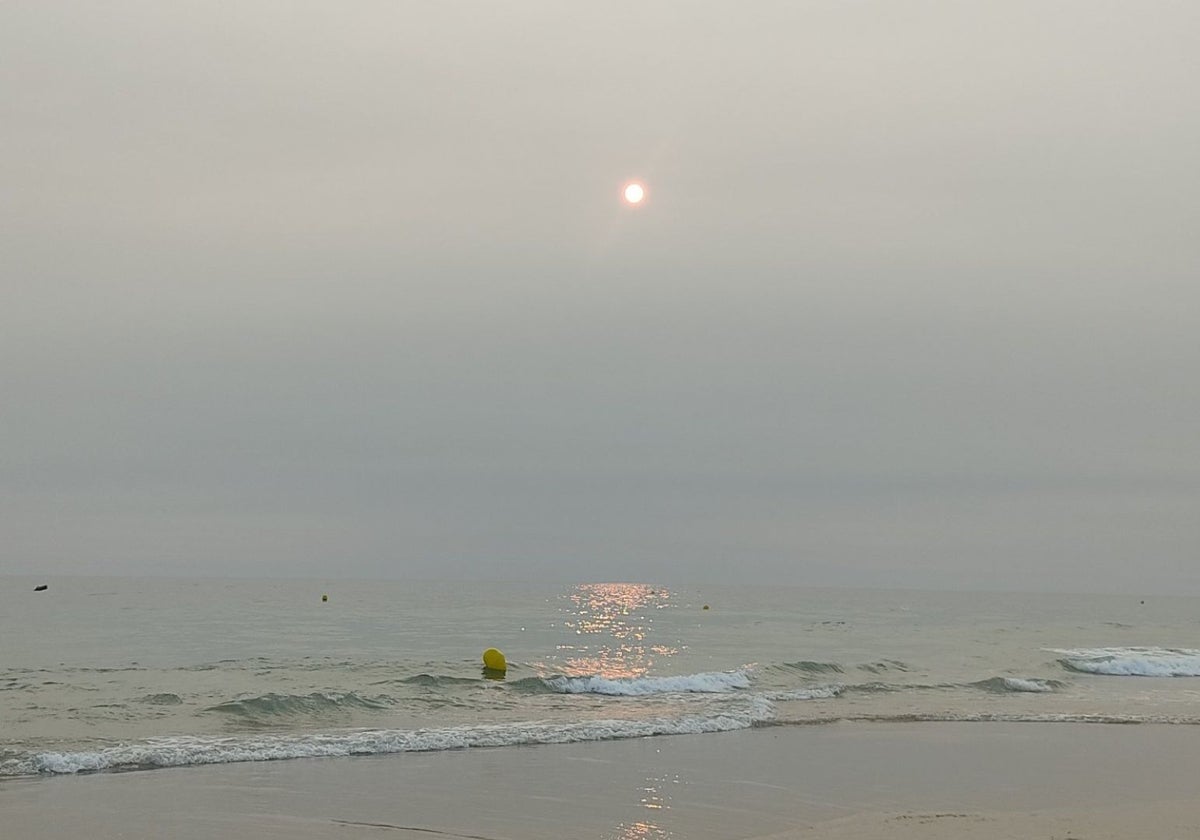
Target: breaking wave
1132,661
1004,685
190,750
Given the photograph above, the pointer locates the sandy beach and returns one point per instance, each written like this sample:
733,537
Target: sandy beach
939,780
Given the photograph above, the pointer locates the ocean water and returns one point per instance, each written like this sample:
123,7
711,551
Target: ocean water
124,674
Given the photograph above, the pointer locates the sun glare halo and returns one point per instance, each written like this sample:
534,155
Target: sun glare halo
634,193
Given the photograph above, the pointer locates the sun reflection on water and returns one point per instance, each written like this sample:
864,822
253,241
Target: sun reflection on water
614,623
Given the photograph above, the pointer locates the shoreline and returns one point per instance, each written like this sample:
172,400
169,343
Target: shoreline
863,780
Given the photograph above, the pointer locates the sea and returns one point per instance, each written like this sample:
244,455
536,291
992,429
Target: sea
123,674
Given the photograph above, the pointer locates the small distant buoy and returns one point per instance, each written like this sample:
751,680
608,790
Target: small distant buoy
494,661
706,606
41,587
324,597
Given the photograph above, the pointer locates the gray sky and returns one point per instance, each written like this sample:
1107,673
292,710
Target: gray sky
347,289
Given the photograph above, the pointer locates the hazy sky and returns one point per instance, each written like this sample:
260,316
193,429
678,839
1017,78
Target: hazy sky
348,289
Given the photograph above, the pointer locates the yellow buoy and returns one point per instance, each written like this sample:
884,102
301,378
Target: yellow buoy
706,606
493,660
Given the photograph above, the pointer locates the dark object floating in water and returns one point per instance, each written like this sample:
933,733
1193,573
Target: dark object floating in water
41,587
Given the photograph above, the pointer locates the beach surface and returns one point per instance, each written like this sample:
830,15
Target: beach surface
852,780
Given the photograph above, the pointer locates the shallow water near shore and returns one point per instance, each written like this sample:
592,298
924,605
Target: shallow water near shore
121,674
866,781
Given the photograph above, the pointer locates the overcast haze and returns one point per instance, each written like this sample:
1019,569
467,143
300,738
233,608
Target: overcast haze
348,289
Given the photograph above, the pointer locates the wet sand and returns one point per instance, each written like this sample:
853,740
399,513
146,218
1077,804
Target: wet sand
926,780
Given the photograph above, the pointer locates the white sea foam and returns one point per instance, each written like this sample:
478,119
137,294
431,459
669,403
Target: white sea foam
1133,661
1032,686
190,750
710,683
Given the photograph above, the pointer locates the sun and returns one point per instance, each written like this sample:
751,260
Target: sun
634,193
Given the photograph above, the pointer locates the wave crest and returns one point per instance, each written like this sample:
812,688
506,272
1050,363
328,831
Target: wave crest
1004,685
709,683
815,667
1132,661
816,692
269,706
438,680
182,751
883,665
